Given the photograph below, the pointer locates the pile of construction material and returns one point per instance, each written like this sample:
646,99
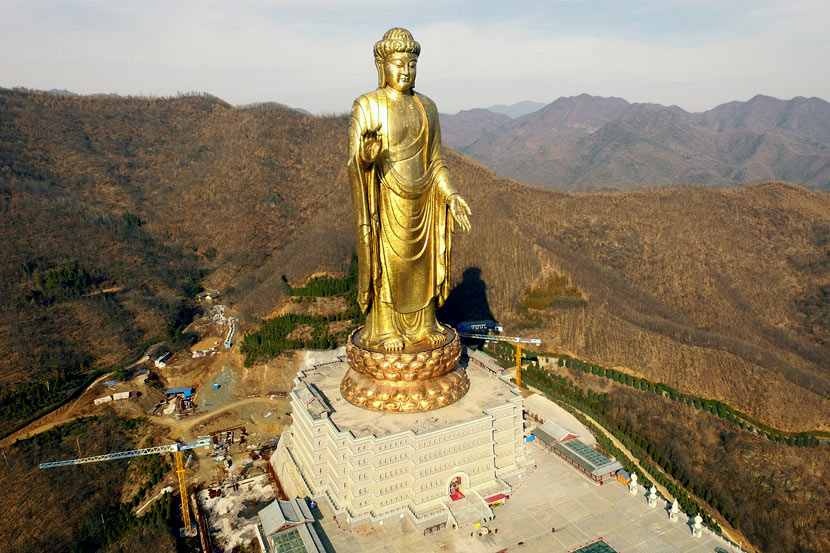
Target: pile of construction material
114,397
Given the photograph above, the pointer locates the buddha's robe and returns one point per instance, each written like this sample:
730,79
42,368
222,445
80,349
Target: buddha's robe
403,225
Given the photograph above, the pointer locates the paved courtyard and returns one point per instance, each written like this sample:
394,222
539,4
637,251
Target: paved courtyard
552,496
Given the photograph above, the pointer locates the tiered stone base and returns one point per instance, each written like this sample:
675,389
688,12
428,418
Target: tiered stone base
423,379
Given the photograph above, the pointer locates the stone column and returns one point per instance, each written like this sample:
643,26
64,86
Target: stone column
632,485
652,497
697,528
674,511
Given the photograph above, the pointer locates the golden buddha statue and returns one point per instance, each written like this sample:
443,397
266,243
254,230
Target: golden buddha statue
405,209
404,201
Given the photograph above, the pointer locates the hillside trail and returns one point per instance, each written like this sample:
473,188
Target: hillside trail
61,415
660,488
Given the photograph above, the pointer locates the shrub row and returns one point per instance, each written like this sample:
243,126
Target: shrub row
323,286
271,338
61,284
577,401
722,410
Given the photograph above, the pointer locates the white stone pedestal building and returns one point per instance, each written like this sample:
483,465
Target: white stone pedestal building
374,467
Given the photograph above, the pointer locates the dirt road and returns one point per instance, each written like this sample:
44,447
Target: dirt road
61,415
180,427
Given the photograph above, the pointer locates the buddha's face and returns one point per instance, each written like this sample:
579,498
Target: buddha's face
399,70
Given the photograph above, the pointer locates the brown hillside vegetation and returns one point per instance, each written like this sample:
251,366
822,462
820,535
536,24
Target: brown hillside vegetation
704,290
58,508
146,195
720,293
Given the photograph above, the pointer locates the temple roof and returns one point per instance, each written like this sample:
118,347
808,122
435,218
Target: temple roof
552,433
284,514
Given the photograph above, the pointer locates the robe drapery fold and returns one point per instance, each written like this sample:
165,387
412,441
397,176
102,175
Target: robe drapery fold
403,225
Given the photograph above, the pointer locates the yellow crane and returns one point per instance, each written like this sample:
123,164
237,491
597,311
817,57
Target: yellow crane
176,449
514,339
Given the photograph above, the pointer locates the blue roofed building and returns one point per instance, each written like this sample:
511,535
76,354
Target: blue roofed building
186,392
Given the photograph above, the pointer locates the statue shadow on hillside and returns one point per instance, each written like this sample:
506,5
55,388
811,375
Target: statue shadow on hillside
467,300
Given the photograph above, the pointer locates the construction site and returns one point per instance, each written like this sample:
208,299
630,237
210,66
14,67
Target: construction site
223,424
218,420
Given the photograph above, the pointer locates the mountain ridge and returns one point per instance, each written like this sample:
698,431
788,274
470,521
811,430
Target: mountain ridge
719,293
567,145
518,109
244,192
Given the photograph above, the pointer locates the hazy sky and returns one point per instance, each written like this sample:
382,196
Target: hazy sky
317,55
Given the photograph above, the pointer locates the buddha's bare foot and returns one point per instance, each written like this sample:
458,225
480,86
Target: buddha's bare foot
436,337
393,345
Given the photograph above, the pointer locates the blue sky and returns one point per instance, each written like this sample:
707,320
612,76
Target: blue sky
317,55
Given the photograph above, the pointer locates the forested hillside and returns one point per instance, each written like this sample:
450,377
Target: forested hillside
114,211
720,292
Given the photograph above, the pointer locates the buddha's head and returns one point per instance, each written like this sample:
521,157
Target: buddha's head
396,57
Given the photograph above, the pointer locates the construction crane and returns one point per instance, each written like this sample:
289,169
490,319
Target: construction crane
514,339
176,449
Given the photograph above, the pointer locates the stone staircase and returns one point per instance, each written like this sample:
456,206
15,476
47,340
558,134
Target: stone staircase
470,509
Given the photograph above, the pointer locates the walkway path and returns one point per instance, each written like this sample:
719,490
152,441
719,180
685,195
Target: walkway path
161,493
660,488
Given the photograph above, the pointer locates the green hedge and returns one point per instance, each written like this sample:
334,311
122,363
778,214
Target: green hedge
579,403
715,407
271,338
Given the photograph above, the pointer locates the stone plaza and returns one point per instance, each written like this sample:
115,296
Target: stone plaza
553,496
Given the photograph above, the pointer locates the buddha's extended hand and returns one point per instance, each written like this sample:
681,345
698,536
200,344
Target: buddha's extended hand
370,145
460,211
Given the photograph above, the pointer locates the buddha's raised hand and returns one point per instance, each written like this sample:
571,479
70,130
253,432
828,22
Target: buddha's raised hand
370,145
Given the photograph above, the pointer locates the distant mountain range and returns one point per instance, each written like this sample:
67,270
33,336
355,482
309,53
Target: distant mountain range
589,142
517,110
